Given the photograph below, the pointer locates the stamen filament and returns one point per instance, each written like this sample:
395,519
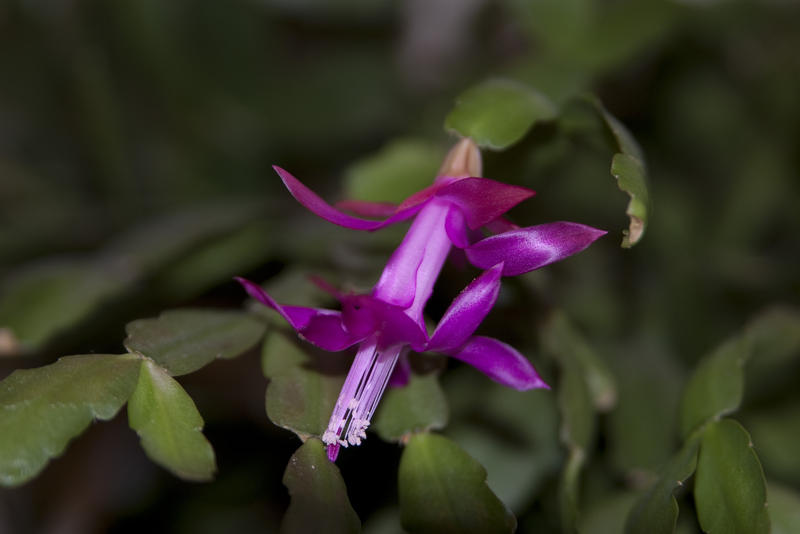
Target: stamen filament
362,389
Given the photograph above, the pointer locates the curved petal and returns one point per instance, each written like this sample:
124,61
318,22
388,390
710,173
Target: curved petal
401,375
467,311
362,315
529,248
323,328
316,205
456,227
483,200
500,362
368,209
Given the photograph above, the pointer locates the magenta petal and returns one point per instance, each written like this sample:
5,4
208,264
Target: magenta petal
401,375
500,362
363,315
316,205
483,200
456,227
467,311
368,209
323,328
529,248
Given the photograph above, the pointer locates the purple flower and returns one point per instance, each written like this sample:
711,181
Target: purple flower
388,323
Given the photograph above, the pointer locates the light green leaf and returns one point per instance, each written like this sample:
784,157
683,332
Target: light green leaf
418,406
169,425
319,497
716,387
498,113
42,409
398,170
304,384
443,490
185,340
730,491
784,509
656,512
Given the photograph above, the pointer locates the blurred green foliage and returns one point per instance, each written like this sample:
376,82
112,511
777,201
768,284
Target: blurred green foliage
136,139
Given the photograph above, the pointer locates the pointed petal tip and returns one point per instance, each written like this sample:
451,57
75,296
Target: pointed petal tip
333,451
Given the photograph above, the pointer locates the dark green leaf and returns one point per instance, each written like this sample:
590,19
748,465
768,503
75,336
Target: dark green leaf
730,491
319,497
169,425
498,113
443,490
401,168
183,341
304,384
418,406
42,409
657,511
716,387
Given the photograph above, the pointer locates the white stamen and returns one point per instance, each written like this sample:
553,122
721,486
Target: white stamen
360,394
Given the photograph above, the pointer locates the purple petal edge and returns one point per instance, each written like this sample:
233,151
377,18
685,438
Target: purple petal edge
323,328
533,247
483,200
500,362
314,203
467,311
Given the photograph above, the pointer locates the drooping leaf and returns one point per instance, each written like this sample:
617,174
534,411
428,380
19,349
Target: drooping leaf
630,175
169,425
319,497
656,512
730,491
498,113
628,167
304,384
443,490
716,387
418,406
42,409
185,340
398,170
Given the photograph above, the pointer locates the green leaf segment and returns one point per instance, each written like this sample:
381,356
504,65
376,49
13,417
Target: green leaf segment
42,409
729,488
